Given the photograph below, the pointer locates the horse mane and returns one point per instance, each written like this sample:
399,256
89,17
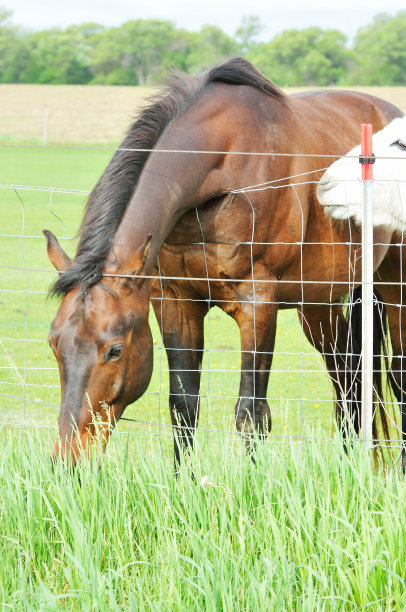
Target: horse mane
109,198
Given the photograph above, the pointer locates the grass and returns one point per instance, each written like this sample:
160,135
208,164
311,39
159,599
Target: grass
306,528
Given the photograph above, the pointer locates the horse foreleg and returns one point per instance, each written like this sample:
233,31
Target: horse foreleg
257,325
181,325
327,329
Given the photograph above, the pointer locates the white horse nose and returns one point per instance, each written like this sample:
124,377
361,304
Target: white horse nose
325,184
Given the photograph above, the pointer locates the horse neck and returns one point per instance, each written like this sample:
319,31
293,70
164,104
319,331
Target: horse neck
175,182
132,295
170,185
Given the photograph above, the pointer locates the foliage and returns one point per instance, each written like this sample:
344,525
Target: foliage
208,47
247,32
136,52
13,49
381,51
141,51
60,56
303,57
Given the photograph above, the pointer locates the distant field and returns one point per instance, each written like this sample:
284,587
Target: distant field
76,114
94,114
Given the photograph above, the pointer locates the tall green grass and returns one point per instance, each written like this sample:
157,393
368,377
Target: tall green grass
305,528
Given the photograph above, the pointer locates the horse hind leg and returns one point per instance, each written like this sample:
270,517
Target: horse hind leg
396,313
327,329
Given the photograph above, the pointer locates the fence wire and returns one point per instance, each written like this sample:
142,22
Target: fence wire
300,391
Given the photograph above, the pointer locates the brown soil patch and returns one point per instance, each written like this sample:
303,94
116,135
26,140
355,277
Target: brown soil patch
93,114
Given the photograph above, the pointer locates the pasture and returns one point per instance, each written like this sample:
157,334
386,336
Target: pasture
306,528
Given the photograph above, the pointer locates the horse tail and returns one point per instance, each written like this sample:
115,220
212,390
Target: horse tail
380,330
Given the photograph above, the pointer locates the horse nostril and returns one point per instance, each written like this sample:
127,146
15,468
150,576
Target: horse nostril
325,184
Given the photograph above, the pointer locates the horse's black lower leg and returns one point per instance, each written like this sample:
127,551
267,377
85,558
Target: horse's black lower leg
182,332
184,366
397,378
183,403
327,329
402,404
252,411
394,317
396,311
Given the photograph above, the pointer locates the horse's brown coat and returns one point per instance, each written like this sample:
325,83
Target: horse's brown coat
182,200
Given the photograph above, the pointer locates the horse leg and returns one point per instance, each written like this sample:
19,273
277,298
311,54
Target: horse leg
392,293
181,325
327,329
257,331
396,312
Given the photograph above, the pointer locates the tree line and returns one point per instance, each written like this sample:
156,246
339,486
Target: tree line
140,52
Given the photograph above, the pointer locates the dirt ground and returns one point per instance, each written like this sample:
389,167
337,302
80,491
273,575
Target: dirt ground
76,114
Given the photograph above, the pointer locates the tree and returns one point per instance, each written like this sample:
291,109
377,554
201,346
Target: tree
208,47
142,51
380,51
137,52
303,57
13,48
60,56
247,32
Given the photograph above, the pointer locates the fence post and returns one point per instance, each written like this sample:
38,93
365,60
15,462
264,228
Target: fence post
45,127
367,159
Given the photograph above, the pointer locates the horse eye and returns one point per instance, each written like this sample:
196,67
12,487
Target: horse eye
114,352
401,144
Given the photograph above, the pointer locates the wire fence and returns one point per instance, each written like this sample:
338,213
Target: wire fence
301,394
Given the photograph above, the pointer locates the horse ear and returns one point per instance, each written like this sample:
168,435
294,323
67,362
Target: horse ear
145,249
57,256
136,263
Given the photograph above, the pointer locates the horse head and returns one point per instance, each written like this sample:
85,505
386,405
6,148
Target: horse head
340,190
103,344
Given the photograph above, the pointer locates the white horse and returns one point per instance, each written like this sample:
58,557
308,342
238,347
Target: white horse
340,190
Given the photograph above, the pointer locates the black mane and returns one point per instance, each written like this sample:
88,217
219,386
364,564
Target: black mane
109,198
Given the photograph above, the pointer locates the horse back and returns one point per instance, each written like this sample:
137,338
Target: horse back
339,115
279,220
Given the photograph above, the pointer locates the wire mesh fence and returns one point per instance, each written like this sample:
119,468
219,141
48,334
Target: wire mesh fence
301,394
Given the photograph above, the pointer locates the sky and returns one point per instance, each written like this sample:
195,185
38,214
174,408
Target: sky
345,15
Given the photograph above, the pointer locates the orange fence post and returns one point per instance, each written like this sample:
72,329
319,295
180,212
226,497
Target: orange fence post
366,160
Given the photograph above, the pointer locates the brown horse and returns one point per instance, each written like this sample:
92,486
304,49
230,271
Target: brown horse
163,195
